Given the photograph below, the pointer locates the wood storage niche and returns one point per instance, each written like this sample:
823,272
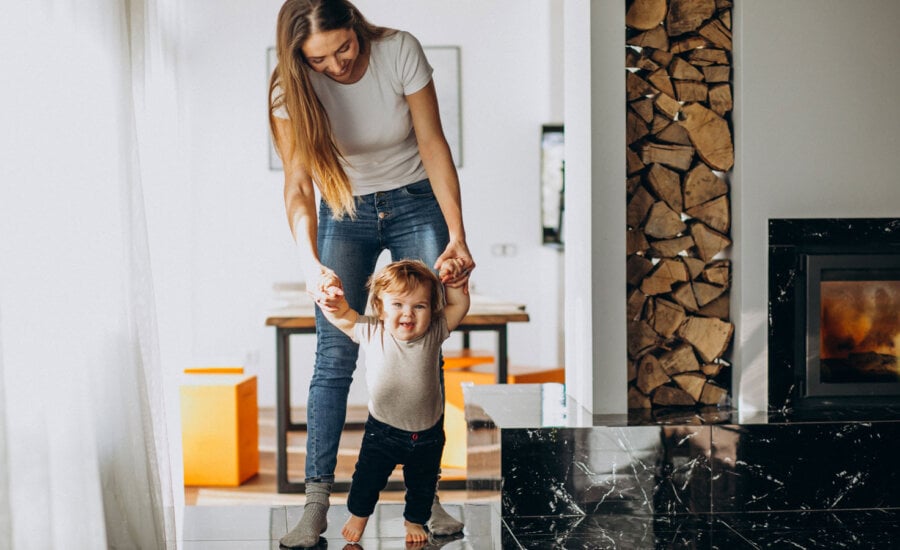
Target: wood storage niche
680,152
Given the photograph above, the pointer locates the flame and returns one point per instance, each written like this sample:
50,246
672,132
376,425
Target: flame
859,317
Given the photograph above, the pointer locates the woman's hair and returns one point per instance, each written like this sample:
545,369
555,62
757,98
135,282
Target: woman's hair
402,277
291,89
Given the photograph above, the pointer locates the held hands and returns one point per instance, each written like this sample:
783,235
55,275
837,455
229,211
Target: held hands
455,265
327,290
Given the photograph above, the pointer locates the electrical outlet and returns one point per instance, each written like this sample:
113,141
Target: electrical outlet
503,249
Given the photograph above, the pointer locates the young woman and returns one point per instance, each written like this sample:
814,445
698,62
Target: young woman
354,115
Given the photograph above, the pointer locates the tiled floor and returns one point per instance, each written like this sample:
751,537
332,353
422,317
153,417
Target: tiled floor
259,527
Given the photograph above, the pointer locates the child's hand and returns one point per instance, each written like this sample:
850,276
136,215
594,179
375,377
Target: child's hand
453,271
328,291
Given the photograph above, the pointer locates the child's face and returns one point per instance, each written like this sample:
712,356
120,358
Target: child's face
407,316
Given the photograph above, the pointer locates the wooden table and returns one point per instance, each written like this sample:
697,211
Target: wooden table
485,314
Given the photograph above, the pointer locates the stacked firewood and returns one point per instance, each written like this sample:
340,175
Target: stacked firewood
679,153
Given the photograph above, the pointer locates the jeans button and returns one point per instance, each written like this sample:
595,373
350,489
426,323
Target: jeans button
381,215
415,437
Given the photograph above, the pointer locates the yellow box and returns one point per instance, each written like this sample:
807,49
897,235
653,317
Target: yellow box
219,428
455,427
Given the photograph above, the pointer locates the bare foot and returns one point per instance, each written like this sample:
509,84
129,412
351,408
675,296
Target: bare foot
415,532
354,528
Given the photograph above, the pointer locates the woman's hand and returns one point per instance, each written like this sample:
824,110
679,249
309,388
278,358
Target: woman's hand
463,264
327,289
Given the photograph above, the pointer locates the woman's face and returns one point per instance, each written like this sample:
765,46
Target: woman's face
335,54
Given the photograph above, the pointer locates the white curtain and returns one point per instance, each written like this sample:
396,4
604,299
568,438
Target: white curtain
87,91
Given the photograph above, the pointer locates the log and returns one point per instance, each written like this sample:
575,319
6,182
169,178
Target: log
706,293
708,56
702,184
645,63
688,15
670,248
637,400
631,58
632,183
667,185
711,369
715,213
661,56
668,396
636,87
679,360
679,69
636,268
633,161
717,33
708,242
720,100
635,304
714,395
644,109
666,317
663,222
687,91
688,44
638,207
635,242
650,374
654,38
725,18
717,73
695,266
709,336
720,308
667,105
641,339
644,15
666,273
684,295
660,123
718,273
635,127
661,81
710,135
692,383
674,133
678,157
724,4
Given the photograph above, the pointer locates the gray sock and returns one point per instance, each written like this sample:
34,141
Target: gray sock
314,521
442,523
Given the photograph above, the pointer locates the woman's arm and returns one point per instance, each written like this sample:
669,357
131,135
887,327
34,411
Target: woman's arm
300,206
441,171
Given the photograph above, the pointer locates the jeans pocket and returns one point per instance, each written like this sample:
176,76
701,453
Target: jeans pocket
420,190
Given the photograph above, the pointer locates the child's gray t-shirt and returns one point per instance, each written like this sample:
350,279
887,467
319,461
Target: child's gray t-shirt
403,378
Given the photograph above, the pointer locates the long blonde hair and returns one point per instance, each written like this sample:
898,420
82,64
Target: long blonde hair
290,88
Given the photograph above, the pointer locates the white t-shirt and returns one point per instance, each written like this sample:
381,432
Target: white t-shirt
370,118
403,377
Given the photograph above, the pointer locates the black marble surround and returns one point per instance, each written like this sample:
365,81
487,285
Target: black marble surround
698,479
789,240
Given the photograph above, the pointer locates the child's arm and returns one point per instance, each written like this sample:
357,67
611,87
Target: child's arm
342,316
457,297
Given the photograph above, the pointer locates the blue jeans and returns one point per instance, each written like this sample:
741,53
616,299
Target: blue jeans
406,221
383,447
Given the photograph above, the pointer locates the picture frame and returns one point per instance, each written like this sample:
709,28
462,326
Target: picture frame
445,60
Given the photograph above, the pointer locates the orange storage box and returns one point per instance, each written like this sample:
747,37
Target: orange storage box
219,427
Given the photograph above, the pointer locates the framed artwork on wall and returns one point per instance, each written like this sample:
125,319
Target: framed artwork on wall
445,62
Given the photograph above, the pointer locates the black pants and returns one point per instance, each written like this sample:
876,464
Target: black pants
383,448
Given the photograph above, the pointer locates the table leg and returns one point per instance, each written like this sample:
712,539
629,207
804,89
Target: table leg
502,361
283,409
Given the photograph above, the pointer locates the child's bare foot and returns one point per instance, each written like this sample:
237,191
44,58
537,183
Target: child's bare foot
415,532
354,528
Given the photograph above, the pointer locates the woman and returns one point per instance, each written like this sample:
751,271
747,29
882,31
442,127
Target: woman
354,114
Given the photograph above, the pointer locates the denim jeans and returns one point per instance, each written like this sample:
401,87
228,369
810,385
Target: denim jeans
384,447
406,221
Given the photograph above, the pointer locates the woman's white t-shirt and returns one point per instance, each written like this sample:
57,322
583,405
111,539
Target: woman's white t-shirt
370,118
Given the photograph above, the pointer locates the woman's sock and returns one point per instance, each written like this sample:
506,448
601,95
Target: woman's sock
314,521
442,523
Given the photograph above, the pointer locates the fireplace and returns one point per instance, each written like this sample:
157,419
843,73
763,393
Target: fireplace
834,313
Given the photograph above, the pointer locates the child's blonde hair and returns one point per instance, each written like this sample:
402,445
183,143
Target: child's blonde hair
402,277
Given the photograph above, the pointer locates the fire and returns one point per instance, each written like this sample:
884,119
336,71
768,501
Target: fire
859,317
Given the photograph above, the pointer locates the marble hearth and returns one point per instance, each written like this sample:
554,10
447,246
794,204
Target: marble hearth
682,479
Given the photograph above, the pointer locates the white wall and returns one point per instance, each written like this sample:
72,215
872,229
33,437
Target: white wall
240,244
817,126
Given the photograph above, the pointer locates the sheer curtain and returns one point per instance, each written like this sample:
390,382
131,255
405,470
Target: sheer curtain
86,110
